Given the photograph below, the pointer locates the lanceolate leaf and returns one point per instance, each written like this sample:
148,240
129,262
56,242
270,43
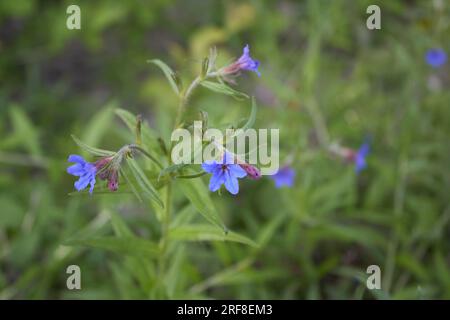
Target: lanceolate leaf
168,73
198,195
122,245
202,232
251,119
145,184
92,150
149,137
120,227
171,169
130,183
223,88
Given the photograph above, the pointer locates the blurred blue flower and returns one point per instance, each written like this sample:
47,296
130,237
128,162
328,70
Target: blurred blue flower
284,177
83,169
360,157
224,172
247,63
436,57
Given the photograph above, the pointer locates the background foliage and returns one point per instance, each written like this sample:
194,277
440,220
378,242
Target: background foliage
323,75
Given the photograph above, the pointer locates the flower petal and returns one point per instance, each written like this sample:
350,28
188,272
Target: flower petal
364,150
83,182
76,170
284,177
76,158
237,171
209,166
231,183
228,158
360,163
92,182
216,180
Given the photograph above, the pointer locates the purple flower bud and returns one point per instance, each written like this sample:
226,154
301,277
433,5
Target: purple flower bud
252,171
245,62
113,181
101,166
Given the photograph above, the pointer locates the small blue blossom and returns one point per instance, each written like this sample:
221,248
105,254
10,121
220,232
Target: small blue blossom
360,157
245,62
83,169
284,177
224,172
436,57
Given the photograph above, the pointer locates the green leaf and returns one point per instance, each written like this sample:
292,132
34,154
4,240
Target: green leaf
171,169
224,89
212,59
143,182
168,72
149,137
130,183
251,119
98,125
25,133
120,227
191,176
159,211
267,231
196,191
122,245
202,232
92,150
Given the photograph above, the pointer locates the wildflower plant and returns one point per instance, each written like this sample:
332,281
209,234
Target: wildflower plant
145,168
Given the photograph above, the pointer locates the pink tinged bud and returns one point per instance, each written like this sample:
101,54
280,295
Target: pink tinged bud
348,154
113,181
252,172
232,68
100,166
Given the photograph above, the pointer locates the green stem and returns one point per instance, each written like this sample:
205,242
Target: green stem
164,241
319,123
184,98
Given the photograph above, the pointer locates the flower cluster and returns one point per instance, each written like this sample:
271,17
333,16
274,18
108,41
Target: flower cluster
87,171
226,171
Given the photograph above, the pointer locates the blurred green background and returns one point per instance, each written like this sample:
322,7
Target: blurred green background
322,71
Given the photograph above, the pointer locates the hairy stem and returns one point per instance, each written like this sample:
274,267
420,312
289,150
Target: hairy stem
183,100
184,97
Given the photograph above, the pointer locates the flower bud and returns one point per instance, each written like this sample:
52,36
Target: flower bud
113,181
252,171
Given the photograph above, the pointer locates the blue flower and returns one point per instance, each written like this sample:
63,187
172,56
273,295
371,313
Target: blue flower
360,157
247,63
224,172
284,177
83,169
436,57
